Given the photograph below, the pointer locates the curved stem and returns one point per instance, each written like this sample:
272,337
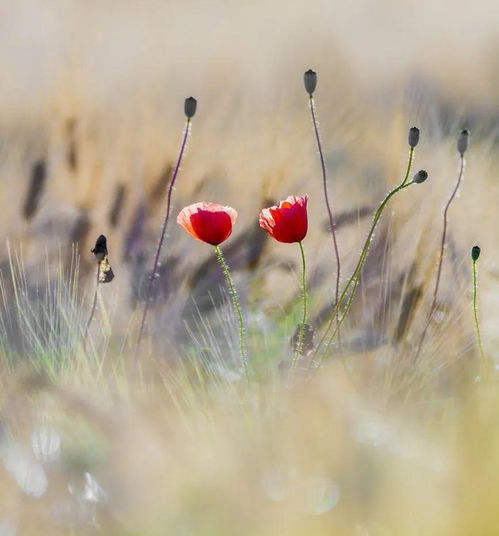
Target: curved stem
332,222
237,307
154,272
475,315
441,255
354,279
301,333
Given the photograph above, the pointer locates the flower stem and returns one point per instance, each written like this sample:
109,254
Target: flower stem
441,256
94,307
483,359
237,306
154,272
332,222
354,280
301,333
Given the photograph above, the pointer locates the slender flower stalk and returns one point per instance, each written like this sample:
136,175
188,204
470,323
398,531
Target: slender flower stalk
104,274
310,79
301,332
212,223
189,109
475,254
462,145
348,292
287,222
93,308
243,352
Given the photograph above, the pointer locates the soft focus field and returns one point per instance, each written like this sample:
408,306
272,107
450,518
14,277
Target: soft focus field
375,442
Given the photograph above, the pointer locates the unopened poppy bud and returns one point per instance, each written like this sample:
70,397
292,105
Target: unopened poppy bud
310,79
462,141
420,176
413,137
475,253
190,107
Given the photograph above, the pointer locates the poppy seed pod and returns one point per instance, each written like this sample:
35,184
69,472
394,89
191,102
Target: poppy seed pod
475,253
190,107
310,79
462,141
413,137
420,176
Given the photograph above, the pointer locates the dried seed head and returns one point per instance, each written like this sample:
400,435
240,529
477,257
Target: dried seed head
462,141
100,248
475,253
413,137
420,176
190,107
310,79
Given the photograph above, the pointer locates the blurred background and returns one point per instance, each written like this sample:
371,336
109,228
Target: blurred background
91,119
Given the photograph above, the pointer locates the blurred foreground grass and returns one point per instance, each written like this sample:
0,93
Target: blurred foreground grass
90,121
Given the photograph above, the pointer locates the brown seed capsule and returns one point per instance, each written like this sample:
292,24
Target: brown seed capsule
413,137
462,141
420,176
190,106
310,79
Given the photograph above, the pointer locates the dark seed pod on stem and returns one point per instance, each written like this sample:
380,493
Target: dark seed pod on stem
310,79
462,141
413,136
190,106
420,176
475,253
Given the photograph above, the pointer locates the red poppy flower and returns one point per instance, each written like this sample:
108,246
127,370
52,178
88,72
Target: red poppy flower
208,222
287,222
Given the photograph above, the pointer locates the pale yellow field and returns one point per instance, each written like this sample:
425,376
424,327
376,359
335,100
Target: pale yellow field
376,441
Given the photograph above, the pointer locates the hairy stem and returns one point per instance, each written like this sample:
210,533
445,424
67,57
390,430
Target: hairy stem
354,280
332,222
94,307
154,272
237,306
301,332
441,255
483,359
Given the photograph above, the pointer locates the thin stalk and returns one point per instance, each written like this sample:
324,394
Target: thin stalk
154,272
332,222
94,307
441,255
301,333
475,316
235,300
354,279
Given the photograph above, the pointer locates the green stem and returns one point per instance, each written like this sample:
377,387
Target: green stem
354,279
301,334
475,315
237,307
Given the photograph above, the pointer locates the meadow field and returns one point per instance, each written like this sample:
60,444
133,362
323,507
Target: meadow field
174,398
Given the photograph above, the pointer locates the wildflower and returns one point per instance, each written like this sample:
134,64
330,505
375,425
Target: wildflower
212,223
310,79
413,136
208,222
288,221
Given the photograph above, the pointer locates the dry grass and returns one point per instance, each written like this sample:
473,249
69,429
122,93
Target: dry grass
373,443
